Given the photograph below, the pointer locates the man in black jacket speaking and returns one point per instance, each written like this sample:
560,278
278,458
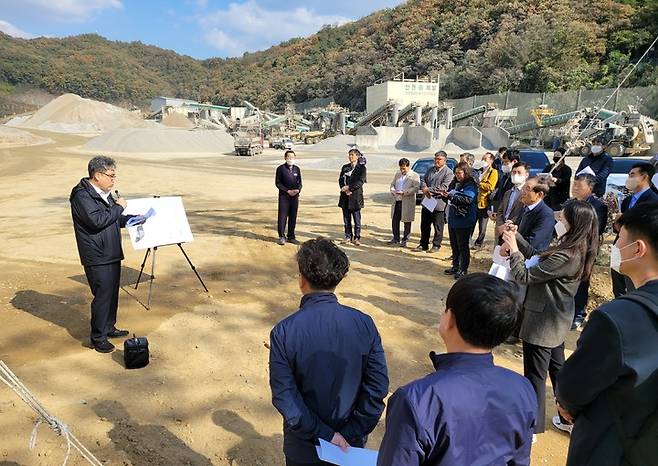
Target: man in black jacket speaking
97,220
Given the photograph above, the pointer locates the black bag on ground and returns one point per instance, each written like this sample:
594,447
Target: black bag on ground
136,352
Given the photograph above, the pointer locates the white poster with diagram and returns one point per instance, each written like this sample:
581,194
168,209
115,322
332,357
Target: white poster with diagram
162,221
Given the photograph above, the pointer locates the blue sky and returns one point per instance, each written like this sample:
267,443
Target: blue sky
200,28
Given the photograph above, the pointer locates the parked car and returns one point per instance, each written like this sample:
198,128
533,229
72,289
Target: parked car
537,160
619,174
420,166
287,144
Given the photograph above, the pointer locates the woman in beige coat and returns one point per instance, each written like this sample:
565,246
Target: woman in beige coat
404,187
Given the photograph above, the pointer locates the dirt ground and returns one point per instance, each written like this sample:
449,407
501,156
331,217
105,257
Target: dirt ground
204,399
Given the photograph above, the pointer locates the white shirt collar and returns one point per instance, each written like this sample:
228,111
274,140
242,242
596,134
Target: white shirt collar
532,206
101,193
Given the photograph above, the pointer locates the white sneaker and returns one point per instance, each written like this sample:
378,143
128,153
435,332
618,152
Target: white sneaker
562,426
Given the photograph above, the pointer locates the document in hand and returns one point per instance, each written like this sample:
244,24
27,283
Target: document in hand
353,457
500,267
429,203
586,171
139,219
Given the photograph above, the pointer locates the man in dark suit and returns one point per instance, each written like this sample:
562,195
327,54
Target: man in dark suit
511,206
639,185
537,220
609,384
583,190
288,180
327,367
97,223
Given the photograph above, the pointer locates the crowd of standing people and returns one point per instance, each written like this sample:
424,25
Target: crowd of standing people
470,410
328,370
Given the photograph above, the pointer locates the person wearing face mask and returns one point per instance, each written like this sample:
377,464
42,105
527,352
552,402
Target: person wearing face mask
600,163
608,386
561,177
551,283
508,159
511,206
351,179
639,185
486,186
583,186
288,180
462,216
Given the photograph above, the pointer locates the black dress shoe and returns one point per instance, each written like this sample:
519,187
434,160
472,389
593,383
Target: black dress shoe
103,346
459,275
292,241
116,333
450,271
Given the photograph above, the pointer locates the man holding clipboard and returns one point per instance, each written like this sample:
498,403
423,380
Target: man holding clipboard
436,179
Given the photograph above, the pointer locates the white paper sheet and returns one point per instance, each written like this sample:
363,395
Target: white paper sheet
167,226
353,457
501,272
429,203
498,259
586,171
500,267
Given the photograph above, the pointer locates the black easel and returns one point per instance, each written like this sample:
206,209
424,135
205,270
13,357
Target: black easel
141,270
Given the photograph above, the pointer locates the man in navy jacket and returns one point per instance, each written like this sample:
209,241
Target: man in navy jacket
288,180
469,411
601,164
327,367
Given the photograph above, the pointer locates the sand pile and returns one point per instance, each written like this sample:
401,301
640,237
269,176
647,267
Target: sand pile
159,140
71,113
340,143
12,137
177,120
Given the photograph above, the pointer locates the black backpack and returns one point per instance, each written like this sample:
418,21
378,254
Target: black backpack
136,352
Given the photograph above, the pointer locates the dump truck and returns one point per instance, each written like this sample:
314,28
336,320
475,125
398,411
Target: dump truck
247,143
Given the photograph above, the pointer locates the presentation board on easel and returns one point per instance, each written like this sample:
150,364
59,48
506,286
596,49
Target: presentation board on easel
166,225
161,221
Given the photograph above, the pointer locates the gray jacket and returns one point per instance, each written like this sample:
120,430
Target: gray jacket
437,179
548,307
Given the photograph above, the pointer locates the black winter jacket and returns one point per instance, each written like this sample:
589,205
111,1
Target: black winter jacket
97,225
354,178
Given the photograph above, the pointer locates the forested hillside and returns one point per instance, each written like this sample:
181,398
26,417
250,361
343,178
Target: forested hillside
478,46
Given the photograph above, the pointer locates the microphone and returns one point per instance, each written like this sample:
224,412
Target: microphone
116,191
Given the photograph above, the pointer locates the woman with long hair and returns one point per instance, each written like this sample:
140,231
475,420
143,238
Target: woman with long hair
552,278
462,216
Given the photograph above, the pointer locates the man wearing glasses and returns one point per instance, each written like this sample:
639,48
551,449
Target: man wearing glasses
97,219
